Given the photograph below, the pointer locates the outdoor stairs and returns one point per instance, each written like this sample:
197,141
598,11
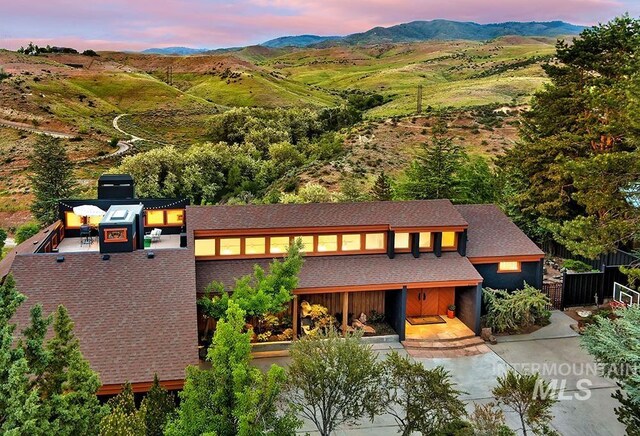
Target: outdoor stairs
446,347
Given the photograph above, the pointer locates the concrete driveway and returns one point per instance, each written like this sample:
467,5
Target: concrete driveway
567,365
585,406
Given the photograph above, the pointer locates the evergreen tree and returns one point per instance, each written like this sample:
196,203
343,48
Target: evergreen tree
159,407
124,418
420,399
615,344
432,175
381,189
233,397
46,387
3,238
51,178
574,173
351,190
530,397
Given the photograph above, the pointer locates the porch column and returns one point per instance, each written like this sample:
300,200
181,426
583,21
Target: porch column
294,317
345,312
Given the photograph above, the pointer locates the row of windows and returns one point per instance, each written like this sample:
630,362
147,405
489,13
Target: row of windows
355,242
259,245
403,240
158,217
164,217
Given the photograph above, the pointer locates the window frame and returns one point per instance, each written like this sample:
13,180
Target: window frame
165,218
454,247
507,271
431,240
402,250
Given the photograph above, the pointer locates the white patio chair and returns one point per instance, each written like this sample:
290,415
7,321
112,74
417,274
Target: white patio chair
155,235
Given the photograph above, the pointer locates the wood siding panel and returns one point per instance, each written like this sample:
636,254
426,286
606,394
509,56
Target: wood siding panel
431,300
365,302
446,297
414,305
359,302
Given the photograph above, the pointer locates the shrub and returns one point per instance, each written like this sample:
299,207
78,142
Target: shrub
511,312
577,266
26,231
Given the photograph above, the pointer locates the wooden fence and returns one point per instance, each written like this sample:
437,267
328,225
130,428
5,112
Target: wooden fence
554,292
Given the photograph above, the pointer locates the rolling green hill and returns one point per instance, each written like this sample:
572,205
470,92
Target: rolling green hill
174,99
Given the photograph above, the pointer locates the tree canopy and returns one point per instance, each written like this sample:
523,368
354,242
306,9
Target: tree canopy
46,385
574,174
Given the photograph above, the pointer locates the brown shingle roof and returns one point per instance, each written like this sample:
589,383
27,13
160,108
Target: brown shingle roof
421,213
492,233
345,271
133,316
26,247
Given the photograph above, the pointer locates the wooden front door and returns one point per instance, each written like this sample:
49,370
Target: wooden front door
431,301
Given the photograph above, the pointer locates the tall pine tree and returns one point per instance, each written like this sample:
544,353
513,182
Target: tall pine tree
159,408
381,189
232,397
46,387
51,178
574,174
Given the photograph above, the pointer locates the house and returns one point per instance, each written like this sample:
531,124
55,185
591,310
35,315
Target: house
134,306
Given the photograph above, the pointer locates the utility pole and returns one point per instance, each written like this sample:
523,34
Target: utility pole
169,75
419,108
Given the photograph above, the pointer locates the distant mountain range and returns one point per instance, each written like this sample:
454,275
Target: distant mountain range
299,41
447,30
182,51
414,31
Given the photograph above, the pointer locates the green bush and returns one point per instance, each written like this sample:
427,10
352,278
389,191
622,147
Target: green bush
577,266
26,231
512,312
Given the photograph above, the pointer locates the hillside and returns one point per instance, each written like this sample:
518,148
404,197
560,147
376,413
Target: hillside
173,99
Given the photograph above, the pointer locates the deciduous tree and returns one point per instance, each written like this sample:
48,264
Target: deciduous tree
334,380
420,400
530,396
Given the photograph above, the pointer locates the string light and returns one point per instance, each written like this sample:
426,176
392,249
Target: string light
181,203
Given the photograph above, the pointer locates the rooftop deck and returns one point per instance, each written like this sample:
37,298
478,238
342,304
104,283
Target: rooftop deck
72,245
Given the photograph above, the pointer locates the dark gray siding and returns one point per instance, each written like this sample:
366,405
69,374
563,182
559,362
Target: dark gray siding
531,273
395,309
468,303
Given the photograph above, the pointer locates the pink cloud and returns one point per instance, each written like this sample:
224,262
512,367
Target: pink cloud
120,24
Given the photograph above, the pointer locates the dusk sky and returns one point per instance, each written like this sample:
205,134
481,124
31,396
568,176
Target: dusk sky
140,24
